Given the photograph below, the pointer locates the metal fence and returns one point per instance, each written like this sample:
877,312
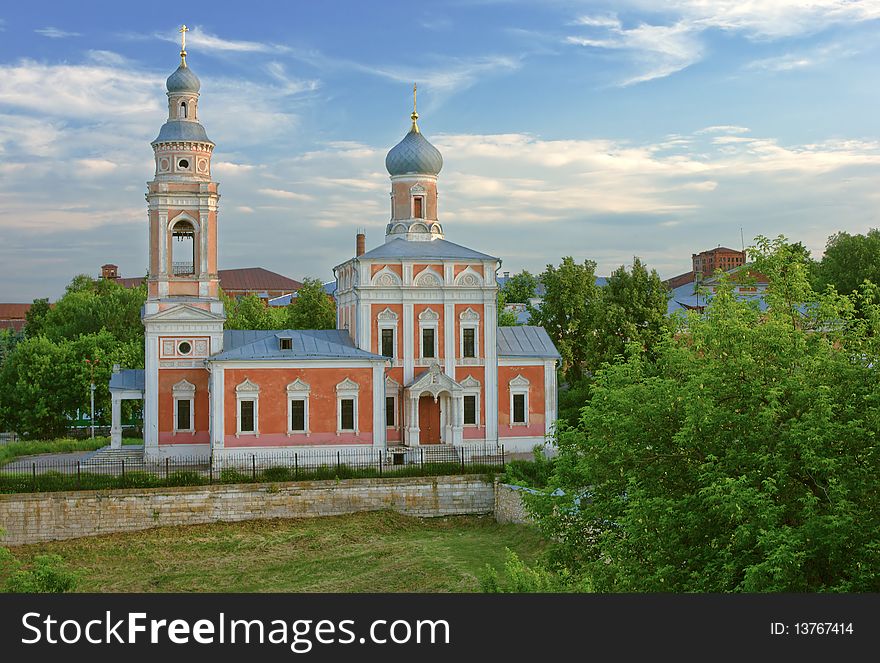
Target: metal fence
133,471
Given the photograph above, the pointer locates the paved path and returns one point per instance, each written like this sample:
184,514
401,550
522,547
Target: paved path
23,463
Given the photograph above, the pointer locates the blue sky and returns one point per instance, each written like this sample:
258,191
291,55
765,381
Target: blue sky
601,130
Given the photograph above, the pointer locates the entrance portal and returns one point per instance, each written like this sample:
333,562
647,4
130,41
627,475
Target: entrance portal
429,420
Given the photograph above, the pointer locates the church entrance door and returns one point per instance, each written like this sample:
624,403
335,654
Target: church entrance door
429,420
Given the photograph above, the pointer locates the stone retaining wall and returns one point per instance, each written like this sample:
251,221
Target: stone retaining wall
36,517
509,506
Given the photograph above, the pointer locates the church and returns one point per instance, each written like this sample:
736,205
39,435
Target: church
417,357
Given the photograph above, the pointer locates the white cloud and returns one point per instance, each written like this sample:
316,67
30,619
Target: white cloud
56,33
205,41
286,195
676,41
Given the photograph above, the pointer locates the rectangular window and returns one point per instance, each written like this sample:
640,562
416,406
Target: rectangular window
388,342
347,414
418,211
519,408
428,343
247,416
470,410
469,342
390,411
298,415
286,343
184,414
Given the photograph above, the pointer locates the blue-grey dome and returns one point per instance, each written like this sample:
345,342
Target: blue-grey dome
183,80
182,130
414,154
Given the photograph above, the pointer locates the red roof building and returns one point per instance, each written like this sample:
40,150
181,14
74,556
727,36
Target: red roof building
234,282
12,316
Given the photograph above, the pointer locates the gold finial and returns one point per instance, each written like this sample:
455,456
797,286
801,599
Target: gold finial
415,115
183,30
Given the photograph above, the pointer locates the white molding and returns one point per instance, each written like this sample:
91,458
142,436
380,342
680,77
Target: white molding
387,319
385,277
298,390
469,278
429,319
345,390
471,387
469,319
184,391
428,277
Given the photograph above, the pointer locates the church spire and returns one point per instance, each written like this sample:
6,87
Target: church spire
183,30
415,114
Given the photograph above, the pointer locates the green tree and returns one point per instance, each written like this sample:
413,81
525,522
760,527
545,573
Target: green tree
505,318
849,261
90,306
520,288
743,458
249,312
568,313
35,317
633,311
312,308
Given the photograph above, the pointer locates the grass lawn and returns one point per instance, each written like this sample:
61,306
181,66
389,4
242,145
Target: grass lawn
14,450
364,552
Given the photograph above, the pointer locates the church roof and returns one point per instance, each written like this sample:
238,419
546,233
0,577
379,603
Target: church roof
183,80
261,345
182,130
525,341
436,248
128,379
414,155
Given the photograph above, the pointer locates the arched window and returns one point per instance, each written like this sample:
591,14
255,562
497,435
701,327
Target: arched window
183,249
181,112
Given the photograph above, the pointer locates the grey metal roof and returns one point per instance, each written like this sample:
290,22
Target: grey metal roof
253,344
435,248
414,154
174,130
128,379
525,341
183,80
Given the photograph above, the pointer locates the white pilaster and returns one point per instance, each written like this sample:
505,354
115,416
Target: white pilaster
490,327
217,394
116,421
408,349
449,341
379,441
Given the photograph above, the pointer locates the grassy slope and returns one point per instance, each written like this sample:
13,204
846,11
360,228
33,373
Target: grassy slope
366,552
14,450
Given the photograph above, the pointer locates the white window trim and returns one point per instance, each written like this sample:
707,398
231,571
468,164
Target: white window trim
471,387
185,391
247,391
469,319
347,389
392,390
388,319
429,319
298,391
519,385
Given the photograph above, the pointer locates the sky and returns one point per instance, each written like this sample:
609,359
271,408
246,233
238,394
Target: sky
600,130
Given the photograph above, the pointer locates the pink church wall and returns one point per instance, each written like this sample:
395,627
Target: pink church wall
535,376
272,418
168,377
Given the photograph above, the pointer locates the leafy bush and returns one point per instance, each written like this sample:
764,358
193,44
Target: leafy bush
523,579
534,473
47,575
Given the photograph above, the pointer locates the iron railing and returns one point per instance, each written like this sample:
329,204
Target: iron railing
182,268
131,470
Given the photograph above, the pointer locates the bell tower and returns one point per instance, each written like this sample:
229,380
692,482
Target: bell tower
183,315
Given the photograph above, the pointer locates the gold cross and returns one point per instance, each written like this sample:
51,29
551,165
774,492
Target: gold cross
415,115
414,97
183,30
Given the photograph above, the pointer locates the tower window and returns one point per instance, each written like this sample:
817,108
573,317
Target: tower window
183,251
470,410
418,207
183,164
246,416
346,414
182,110
390,411
519,408
184,348
428,343
388,342
469,342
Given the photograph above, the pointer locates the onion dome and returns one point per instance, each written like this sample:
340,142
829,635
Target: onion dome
183,81
414,154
